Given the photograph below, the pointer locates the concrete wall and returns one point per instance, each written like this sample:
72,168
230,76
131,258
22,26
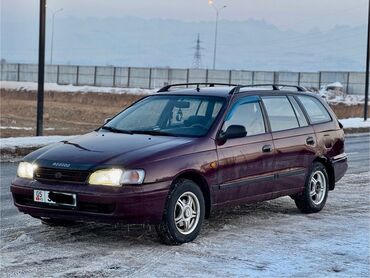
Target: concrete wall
134,77
67,75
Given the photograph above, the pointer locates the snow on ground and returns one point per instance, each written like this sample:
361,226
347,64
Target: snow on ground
16,127
334,97
269,239
32,86
27,142
355,123
335,85
24,128
333,94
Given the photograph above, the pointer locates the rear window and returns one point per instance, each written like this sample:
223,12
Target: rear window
280,113
316,111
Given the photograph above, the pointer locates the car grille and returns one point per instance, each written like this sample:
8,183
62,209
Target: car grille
61,175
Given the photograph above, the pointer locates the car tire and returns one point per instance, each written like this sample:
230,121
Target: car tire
52,222
316,190
183,215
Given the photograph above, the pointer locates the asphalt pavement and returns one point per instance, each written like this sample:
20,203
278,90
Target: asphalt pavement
267,239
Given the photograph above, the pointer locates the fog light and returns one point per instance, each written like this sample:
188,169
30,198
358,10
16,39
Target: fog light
133,177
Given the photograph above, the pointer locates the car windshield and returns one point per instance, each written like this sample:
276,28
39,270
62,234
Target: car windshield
173,115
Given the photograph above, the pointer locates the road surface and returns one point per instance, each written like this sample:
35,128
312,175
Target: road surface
265,239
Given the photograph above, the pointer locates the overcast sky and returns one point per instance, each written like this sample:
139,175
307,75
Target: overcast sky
300,15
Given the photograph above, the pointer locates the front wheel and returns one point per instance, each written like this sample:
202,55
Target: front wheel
316,189
184,214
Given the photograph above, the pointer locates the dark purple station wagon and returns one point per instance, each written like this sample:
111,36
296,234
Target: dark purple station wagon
172,157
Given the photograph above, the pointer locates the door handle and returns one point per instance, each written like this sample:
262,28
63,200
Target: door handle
266,148
310,141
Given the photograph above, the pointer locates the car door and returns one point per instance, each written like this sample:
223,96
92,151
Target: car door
294,141
245,164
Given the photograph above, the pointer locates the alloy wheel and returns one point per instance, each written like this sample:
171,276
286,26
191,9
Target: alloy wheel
187,213
317,187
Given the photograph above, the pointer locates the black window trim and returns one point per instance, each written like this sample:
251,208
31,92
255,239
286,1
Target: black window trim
296,97
265,116
290,97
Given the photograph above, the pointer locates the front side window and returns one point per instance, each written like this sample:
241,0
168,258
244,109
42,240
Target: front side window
169,115
246,112
315,110
280,113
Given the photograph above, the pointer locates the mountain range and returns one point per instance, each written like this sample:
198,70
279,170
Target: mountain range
133,41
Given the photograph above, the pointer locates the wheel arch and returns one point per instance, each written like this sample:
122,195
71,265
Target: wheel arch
199,179
329,169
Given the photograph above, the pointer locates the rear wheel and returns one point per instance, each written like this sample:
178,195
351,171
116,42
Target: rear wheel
183,215
316,190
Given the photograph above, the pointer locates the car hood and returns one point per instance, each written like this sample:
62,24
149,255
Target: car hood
106,148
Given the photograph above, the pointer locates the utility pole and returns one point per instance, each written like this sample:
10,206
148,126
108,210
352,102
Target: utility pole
210,2
215,45
40,88
52,35
197,60
367,66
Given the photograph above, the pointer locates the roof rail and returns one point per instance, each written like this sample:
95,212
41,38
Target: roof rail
275,87
213,84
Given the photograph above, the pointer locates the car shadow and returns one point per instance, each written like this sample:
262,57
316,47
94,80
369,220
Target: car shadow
98,233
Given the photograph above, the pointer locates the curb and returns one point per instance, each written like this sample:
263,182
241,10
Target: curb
357,130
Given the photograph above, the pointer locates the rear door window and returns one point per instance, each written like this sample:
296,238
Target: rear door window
316,111
280,113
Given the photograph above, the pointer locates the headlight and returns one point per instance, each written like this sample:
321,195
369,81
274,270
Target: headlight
26,170
116,177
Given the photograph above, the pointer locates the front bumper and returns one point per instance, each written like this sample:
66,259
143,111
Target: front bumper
129,204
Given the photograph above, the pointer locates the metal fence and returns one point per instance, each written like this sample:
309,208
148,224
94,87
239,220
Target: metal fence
135,77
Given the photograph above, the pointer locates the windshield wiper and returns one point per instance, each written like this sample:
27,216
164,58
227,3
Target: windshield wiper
113,129
152,132
78,146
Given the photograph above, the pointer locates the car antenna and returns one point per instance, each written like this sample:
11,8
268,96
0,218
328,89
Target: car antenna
198,87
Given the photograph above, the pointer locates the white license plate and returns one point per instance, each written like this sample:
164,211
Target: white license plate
60,198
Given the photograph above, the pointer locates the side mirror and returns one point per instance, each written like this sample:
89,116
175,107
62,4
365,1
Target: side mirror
235,131
107,120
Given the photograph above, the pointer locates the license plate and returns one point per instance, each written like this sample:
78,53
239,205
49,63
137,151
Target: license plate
55,198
